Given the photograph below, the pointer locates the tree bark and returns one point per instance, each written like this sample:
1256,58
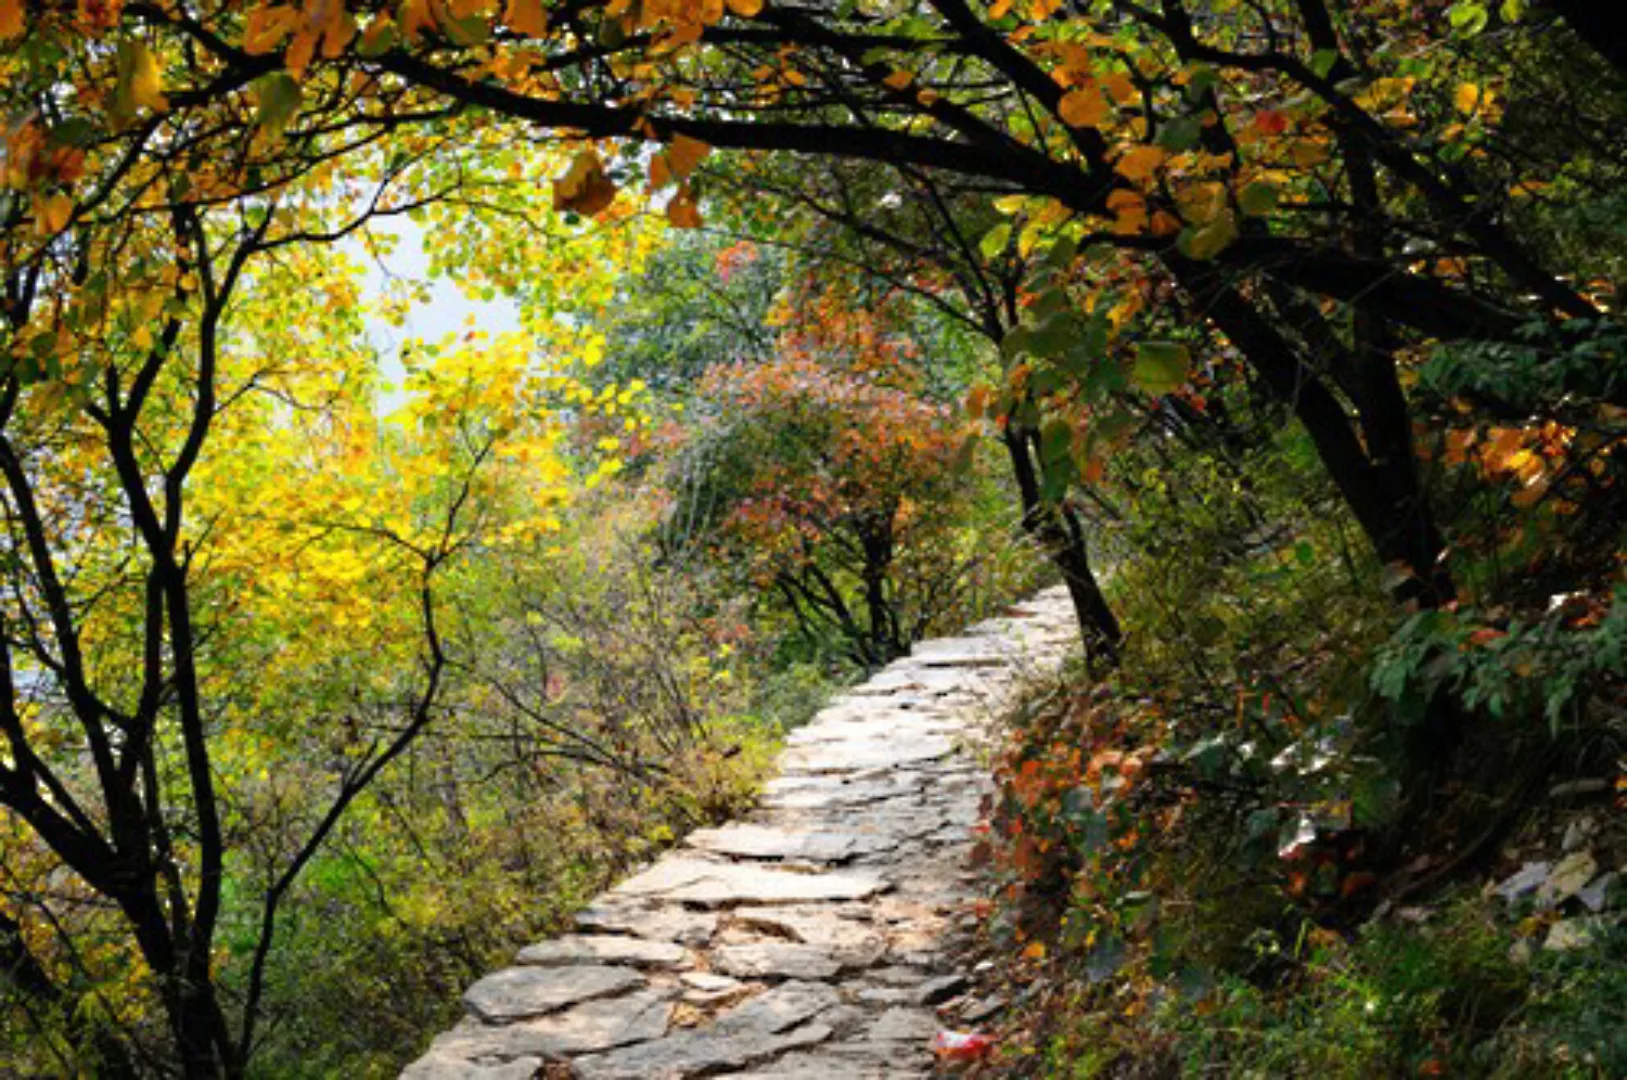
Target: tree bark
1061,534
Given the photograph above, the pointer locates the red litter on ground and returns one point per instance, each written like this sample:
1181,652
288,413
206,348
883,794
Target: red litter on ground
961,1045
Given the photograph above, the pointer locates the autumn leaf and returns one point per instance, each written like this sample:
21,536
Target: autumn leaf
52,213
585,188
266,27
1119,87
682,210
1083,107
684,153
139,82
1470,99
746,9
1140,162
526,17
11,18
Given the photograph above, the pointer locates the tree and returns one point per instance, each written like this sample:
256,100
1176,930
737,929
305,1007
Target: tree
192,473
837,486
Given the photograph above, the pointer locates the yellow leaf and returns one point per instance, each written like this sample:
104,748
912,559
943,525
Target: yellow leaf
11,18
139,82
1140,162
1084,107
1470,98
526,17
682,211
585,188
746,9
51,213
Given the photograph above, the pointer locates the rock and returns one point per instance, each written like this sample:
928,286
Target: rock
1568,934
774,960
903,1025
592,1027
1596,896
936,991
886,995
603,949
744,841
1569,877
980,1009
654,921
666,974
522,992
1578,833
848,941
434,1066
878,752
1524,881
779,1009
714,884
696,1053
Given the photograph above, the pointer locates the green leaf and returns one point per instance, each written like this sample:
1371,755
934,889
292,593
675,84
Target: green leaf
995,240
280,97
1468,18
1160,366
1258,198
1207,241
1181,133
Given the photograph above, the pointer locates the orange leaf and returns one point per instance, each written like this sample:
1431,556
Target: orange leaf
684,154
526,17
1084,107
682,210
1140,162
11,18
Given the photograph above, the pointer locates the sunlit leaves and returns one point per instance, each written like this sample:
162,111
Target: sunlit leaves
139,82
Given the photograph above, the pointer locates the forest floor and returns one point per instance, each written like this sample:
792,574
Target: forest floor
818,937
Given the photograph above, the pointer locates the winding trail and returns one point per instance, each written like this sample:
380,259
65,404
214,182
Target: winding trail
815,938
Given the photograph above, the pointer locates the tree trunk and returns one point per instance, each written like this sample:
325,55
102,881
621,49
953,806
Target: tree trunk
1380,487
1062,535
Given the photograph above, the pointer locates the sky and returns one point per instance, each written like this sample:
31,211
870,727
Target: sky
446,312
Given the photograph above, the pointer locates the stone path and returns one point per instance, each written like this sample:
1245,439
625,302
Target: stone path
813,939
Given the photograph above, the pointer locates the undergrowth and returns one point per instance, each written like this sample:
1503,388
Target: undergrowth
1264,845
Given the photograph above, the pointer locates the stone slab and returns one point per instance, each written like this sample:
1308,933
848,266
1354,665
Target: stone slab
723,884
519,993
603,949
